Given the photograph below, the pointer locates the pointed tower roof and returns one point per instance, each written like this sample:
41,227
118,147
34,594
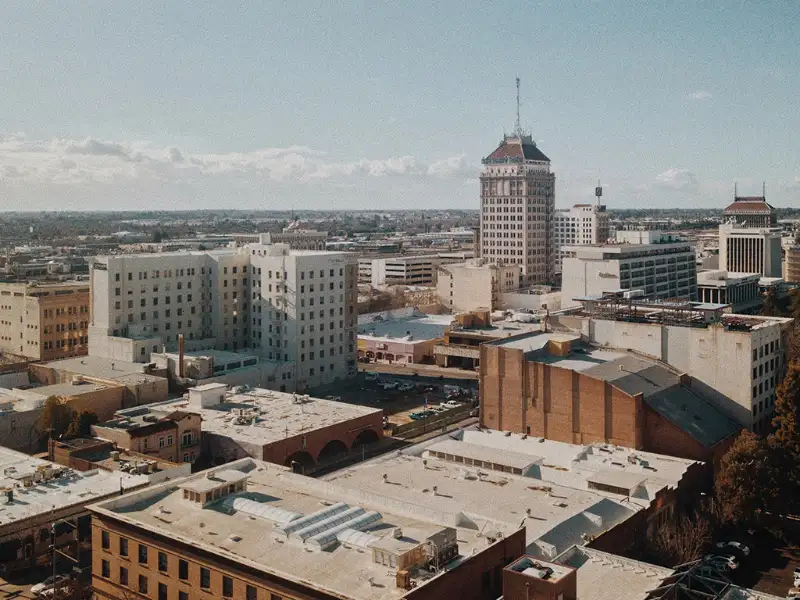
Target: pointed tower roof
516,148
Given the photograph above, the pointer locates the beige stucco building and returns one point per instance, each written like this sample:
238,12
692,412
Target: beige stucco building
475,284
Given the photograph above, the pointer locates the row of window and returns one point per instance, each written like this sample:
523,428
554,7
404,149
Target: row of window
143,585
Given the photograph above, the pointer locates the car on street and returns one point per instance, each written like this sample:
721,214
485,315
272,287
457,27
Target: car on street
388,385
726,561
48,585
370,376
734,547
405,387
451,404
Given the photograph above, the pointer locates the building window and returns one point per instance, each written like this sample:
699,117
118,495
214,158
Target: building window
105,567
162,591
183,595
143,554
162,561
183,570
106,540
123,547
142,584
123,576
227,586
205,578
251,593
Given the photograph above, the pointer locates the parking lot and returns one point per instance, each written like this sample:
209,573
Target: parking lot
770,566
398,405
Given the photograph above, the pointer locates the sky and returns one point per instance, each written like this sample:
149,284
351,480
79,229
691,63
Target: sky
382,105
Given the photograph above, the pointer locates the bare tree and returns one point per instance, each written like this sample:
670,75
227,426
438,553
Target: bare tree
681,540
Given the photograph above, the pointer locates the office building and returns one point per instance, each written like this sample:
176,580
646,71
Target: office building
517,208
296,239
398,270
736,360
740,290
750,250
287,305
44,321
792,265
659,267
476,284
583,224
750,211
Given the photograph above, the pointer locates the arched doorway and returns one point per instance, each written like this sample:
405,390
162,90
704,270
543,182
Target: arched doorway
332,450
365,438
300,462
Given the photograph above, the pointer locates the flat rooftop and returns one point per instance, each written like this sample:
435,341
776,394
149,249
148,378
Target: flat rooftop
419,327
500,329
604,576
247,527
52,487
95,366
275,415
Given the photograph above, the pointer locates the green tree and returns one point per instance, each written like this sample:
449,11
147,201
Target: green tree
770,307
784,442
745,483
56,416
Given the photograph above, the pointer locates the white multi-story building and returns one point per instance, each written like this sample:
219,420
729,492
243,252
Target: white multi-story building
259,297
750,250
517,206
660,269
398,270
583,224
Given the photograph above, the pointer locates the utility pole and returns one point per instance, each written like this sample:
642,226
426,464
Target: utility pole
56,551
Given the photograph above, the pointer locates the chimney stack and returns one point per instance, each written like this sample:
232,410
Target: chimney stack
180,355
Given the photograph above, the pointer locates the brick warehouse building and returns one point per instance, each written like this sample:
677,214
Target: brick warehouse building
557,387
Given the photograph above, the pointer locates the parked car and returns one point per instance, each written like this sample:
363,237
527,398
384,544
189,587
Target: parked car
451,404
370,376
388,385
726,561
423,387
405,387
48,585
736,547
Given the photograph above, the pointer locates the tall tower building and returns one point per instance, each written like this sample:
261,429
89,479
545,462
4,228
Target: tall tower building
517,207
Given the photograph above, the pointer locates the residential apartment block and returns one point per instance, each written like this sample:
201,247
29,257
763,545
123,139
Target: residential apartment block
475,284
288,305
517,208
583,224
44,321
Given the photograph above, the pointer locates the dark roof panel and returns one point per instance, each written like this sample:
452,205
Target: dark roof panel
514,148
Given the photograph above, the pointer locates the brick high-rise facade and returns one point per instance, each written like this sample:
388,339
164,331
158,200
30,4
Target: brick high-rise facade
517,208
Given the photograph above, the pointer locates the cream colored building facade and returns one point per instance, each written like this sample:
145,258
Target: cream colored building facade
475,284
44,321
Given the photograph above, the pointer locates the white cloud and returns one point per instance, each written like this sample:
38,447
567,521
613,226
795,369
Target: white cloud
67,161
701,95
676,179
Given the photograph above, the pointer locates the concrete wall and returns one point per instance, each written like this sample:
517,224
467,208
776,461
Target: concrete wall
14,379
19,430
514,300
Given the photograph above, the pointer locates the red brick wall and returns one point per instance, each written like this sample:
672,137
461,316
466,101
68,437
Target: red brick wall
555,403
517,586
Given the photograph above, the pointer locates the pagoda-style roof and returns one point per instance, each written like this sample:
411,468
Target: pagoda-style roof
750,205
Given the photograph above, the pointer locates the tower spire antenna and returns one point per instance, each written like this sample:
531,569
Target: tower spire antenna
518,124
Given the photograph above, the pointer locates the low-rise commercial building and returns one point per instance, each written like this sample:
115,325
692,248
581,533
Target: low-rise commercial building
404,336
288,429
740,290
37,495
476,284
44,320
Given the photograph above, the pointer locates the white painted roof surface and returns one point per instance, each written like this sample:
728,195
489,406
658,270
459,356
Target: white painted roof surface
507,458
68,489
279,416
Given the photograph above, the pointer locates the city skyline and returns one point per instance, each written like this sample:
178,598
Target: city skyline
358,107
